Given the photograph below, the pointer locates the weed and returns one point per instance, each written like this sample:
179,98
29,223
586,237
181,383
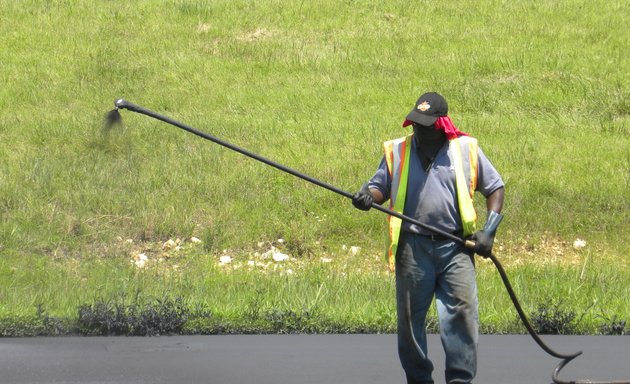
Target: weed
52,326
156,317
613,326
39,324
289,321
20,326
552,319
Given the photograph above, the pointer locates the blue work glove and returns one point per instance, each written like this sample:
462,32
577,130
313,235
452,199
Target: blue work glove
363,199
484,239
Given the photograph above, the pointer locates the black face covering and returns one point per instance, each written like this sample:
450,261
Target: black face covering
425,134
428,143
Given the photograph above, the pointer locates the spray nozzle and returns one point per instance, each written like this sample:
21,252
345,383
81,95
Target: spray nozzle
120,103
113,117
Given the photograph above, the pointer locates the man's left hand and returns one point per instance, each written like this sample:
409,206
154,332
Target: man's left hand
483,243
484,239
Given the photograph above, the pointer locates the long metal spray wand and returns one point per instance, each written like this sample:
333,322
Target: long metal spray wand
123,104
114,117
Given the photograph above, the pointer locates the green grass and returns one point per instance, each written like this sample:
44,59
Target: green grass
316,86
337,293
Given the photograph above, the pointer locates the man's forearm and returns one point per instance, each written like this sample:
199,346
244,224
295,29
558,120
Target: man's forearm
377,196
494,202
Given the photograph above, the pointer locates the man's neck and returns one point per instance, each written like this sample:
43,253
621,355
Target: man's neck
428,149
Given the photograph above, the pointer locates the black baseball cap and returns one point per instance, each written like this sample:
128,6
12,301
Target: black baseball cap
428,108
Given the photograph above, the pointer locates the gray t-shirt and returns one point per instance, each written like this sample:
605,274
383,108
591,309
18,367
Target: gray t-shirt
431,196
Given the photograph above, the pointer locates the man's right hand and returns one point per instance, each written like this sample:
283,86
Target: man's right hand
363,199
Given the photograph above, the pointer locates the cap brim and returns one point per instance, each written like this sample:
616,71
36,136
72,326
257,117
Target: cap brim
421,118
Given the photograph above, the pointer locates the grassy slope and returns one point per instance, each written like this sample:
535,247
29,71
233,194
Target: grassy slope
317,87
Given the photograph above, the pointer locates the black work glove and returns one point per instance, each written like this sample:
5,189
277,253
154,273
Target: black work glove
363,199
484,239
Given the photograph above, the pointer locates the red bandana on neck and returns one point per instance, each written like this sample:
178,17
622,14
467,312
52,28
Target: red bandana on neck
445,124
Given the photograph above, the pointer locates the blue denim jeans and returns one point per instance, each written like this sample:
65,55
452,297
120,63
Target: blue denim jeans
445,269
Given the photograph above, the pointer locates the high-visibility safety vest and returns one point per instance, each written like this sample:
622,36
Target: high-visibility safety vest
464,153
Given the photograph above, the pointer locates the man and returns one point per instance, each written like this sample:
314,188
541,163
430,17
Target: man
431,176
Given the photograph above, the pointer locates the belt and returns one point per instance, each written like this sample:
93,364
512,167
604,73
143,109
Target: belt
434,236
437,237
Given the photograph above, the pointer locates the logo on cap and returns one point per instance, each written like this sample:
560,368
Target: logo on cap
424,106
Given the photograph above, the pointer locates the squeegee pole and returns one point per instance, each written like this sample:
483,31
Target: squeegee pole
123,104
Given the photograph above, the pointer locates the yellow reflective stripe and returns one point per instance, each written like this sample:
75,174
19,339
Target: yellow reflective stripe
395,224
464,193
397,155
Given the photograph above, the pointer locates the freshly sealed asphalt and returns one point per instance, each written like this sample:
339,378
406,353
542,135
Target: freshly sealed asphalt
280,359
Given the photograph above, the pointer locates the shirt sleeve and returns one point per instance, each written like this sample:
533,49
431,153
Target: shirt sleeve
381,180
488,178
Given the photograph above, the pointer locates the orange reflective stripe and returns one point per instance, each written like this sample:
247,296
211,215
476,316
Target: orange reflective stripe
389,155
473,161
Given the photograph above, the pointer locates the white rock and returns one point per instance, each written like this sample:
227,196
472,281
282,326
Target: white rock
170,243
140,260
278,256
355,250
579,243
225,259
195,240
